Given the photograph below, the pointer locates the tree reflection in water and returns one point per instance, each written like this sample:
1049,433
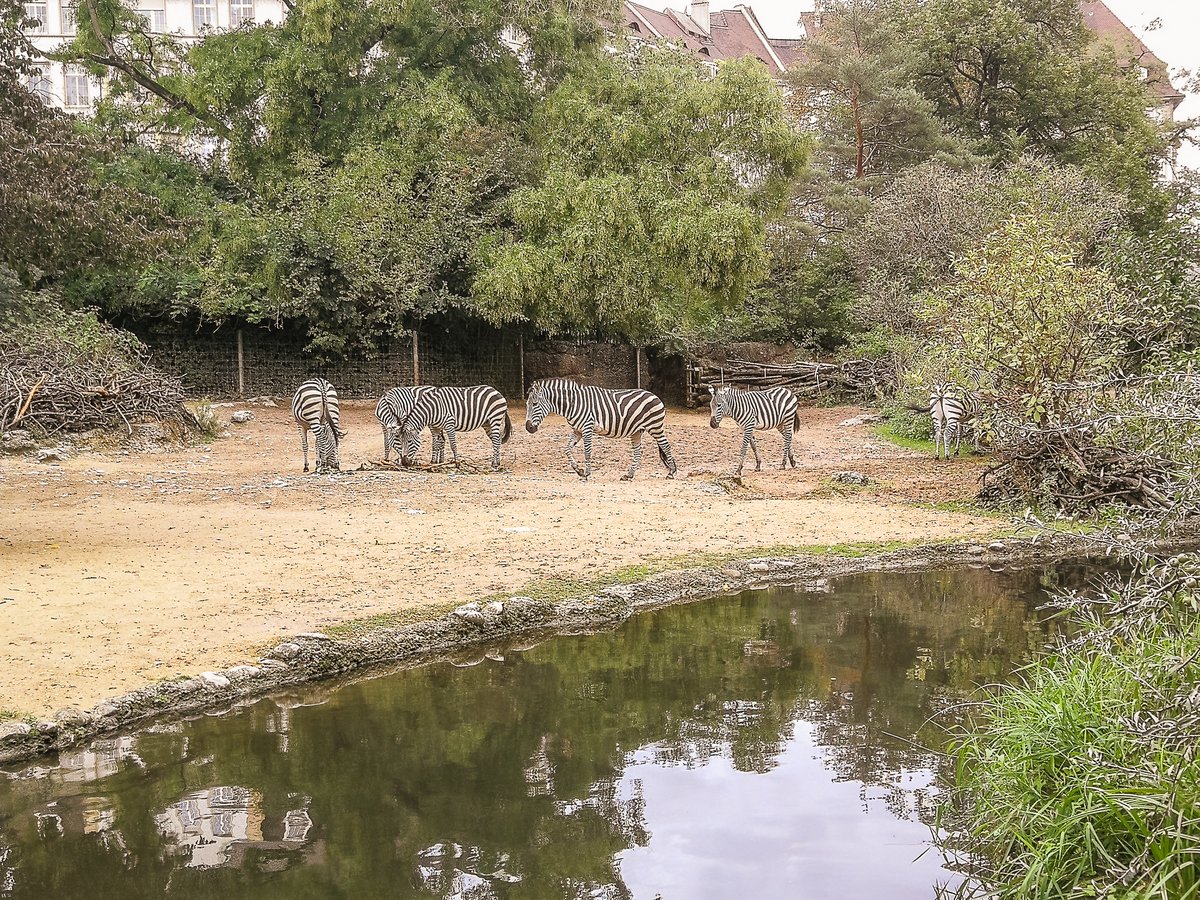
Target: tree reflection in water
552,772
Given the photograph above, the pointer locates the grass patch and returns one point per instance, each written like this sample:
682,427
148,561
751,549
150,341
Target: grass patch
6,714
1083,780
887,432
209,421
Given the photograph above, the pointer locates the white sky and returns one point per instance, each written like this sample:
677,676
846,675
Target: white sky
1177,41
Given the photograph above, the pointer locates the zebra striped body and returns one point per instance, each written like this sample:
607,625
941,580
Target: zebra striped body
951,408
448,411
315,408
775,408
593,410
392,409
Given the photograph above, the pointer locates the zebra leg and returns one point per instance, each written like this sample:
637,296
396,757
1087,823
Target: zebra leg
957,439
576,436
664,453
747,433
587,452
937,440
754,447
494,432
387,447
787,432
636,460
304,445
452,438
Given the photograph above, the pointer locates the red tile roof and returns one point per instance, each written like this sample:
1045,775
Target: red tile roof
1129,48
732,33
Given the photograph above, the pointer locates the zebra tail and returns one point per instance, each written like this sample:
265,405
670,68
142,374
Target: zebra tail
796,419
507,429
662,454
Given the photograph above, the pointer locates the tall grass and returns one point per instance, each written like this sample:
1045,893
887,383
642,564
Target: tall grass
1083,780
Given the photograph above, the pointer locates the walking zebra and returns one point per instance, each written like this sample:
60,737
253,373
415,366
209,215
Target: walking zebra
775,408
951,408
448,411
392,409
593,410
315,408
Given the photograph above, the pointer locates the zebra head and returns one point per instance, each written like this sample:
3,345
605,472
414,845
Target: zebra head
327,438
409,445
536,408
716,406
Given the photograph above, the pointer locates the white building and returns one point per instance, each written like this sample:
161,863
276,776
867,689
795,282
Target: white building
71,88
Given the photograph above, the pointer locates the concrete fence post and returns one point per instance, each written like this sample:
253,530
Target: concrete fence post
416,358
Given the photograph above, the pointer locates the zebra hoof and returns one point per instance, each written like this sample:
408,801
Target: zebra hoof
672,474
627,477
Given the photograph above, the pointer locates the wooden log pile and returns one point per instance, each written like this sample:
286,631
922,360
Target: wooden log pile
808,380
54,388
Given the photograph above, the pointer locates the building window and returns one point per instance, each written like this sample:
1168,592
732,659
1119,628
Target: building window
76,88
36,11
204,14
38,83
158,21
68,20
240,11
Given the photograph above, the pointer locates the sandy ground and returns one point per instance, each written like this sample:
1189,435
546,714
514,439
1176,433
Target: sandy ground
118,569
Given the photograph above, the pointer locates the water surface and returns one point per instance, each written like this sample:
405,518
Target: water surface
768,745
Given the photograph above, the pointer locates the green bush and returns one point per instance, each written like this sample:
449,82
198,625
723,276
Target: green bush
1084,779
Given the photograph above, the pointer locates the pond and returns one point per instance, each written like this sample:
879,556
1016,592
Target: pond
768,744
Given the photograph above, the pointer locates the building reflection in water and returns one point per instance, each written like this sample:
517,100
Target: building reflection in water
455,872
220,825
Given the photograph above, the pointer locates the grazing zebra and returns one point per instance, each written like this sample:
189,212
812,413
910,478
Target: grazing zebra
392,409
448,411
951,408
593,410
775,408
315,408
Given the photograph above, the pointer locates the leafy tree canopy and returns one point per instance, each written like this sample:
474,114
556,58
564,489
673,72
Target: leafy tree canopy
59,215
655,180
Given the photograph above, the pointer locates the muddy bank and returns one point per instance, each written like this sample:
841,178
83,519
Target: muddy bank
472,628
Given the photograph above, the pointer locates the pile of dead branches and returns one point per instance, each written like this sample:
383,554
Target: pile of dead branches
852,378
1074,473
1128,441
52,382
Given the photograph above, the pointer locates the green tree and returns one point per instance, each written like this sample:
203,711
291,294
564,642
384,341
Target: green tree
1020,74
1026,318
648,213
58,214
856,87
362,150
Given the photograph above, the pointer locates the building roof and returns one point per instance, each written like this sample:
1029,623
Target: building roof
1130,49
733,33
727,33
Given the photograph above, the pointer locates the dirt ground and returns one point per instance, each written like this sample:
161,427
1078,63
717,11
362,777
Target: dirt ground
118,569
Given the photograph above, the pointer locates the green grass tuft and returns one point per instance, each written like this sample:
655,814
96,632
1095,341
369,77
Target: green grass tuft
1084,780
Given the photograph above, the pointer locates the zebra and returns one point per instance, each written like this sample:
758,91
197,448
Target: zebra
447,411
775,408
392,408
591,410
951,408
315,408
